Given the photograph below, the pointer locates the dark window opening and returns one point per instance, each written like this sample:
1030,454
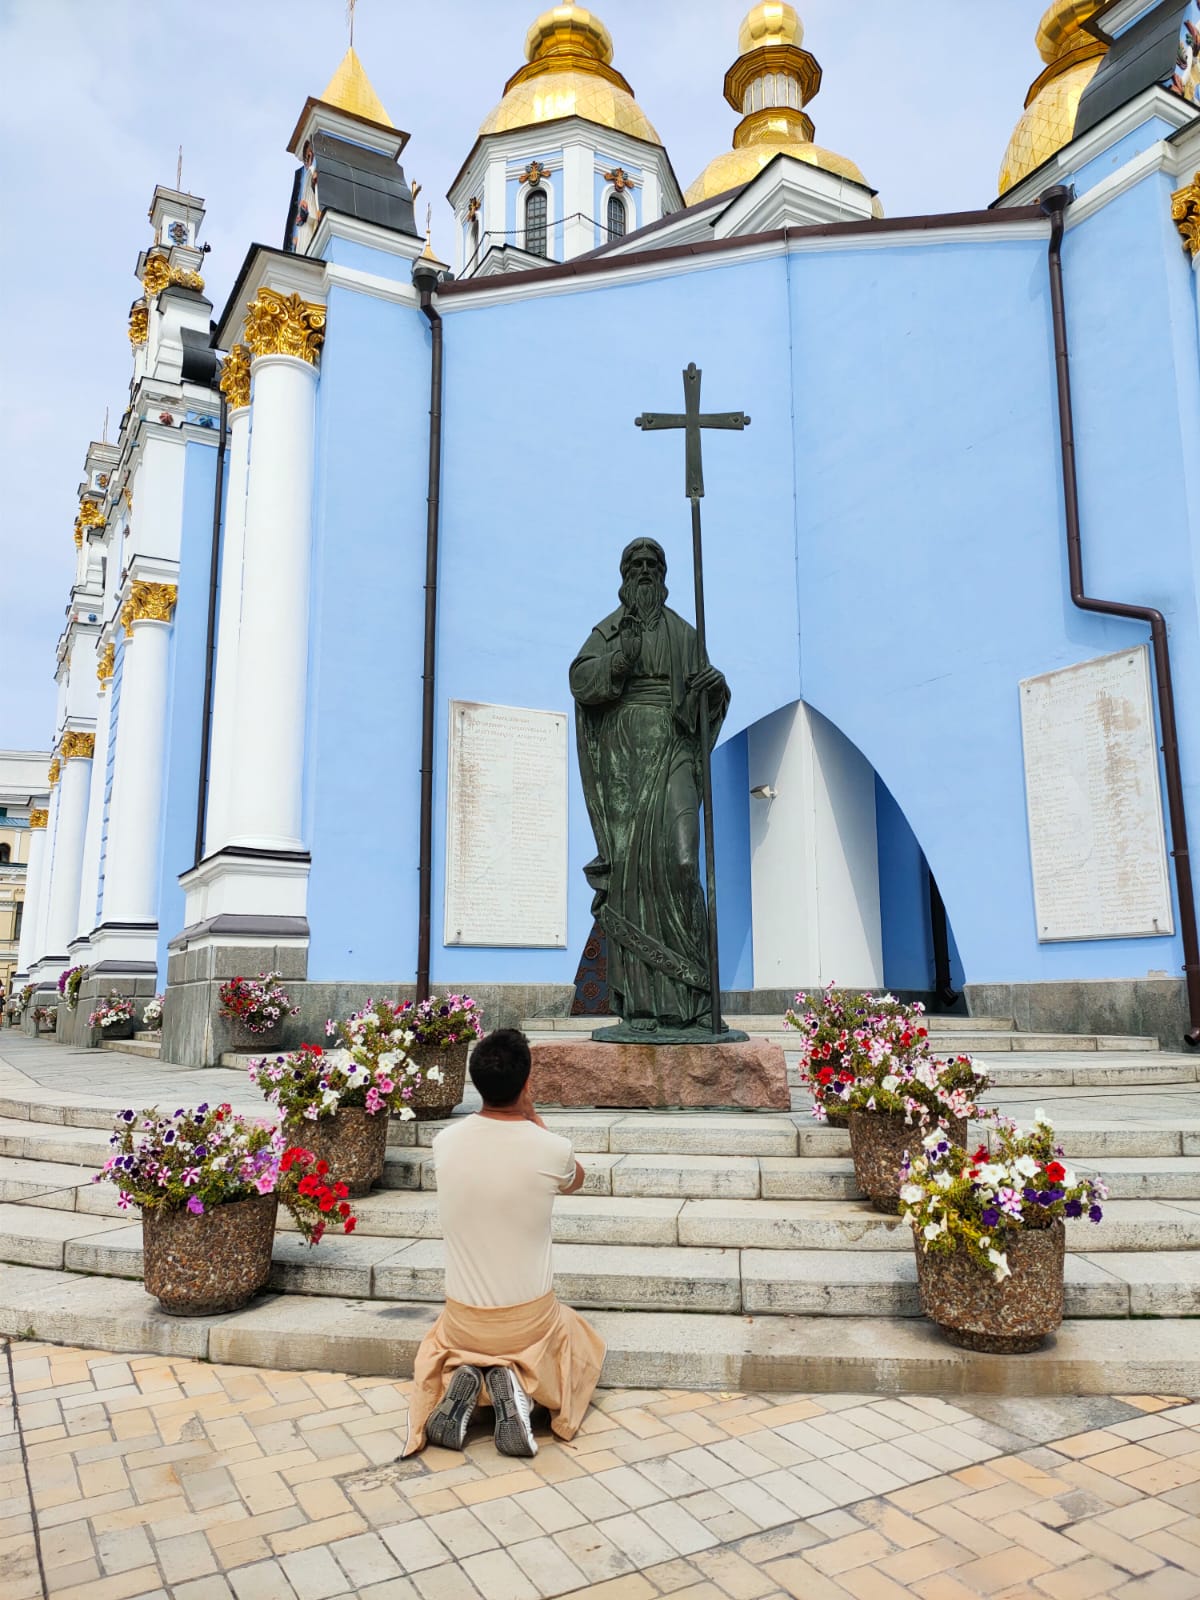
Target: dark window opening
535,223
616,217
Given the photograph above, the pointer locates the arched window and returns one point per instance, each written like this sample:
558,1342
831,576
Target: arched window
474,240
5,852
616,217
535,222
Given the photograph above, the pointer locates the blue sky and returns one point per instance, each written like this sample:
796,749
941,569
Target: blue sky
95,99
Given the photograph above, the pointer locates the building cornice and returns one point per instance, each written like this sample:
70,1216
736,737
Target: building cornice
270,268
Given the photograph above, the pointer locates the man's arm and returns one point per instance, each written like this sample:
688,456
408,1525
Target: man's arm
530,1111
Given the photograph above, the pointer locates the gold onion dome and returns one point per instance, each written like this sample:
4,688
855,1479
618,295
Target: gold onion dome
1072,58
770,83
568,72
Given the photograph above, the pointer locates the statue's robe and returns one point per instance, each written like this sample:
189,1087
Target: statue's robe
639,759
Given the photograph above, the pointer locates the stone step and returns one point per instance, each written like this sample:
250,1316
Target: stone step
876,1355
946,1034
1015,1071
151,1048
792,1282
767,1022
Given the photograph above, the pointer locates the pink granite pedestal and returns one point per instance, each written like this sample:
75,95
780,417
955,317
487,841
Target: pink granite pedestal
747,1076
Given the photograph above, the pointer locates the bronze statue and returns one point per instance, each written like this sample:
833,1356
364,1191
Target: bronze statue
639,684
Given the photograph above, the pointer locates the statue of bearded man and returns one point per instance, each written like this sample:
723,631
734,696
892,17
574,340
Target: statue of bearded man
637,684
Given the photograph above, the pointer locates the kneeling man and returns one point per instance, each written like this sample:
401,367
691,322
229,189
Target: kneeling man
498,1173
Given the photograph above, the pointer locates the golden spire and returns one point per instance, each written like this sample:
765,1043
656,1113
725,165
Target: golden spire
1072,59
350,90
770,83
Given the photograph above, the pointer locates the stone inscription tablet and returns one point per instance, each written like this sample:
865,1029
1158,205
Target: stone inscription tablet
506,827
1096,833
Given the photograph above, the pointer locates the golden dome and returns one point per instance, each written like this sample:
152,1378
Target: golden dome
772,22
771,82
1072,60
569,73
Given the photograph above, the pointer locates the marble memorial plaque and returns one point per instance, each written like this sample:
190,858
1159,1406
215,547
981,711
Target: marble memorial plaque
1096,835
506,827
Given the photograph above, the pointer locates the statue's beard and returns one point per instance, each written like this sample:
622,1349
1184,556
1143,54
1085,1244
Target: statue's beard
644,598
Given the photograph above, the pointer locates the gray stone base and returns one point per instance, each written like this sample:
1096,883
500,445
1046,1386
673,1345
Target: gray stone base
196,1035
73,1026
1152,1007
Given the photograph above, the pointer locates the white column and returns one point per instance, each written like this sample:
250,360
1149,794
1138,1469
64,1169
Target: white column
135,807
222,762
28,951
268,721
68,852
89,877
814,856
41,948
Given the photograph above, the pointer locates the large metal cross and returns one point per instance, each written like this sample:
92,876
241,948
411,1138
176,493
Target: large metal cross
691,420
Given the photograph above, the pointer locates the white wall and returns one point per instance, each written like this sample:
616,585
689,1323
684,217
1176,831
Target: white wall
814,856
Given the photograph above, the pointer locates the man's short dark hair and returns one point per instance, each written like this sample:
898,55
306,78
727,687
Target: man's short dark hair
500,1066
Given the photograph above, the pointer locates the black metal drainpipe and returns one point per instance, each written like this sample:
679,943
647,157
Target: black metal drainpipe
1054,203
426,280
214,568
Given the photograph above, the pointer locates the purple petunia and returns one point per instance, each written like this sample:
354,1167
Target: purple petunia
991,1217
1074,1208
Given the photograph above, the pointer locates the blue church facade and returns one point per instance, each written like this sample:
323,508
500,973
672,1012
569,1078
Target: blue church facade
885,557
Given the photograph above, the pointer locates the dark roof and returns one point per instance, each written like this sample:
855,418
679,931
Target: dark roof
1138,59
357,182
201,363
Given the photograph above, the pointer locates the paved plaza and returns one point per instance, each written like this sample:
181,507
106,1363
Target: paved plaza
141,1478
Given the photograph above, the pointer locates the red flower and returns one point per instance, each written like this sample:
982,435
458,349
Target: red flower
318,1233
825,1075
981,1154
326,1201
1056,1172
308,1186
322,1168
343,1209
340,1190
350,1224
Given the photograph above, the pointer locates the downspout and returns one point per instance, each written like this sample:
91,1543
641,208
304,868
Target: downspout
210,651
1054,203
425,276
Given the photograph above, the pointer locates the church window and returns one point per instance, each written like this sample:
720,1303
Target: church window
5,852
616,217
535,223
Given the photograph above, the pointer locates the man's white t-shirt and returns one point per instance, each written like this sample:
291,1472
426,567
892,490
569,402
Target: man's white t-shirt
497,1179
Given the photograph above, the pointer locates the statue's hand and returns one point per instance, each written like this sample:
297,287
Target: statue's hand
708,679
630,637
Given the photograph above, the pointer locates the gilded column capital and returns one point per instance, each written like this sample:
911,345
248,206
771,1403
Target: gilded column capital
139,322
285,325
53,772
235,377
158,273
90,516
1185,213
104,667
39,817
148,602
78,746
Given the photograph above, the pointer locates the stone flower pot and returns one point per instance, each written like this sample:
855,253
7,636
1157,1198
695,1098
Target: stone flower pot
352,1141
1005,1318
878,1140
432,1101
217,1262
265,1041
47,1025
836,1116
118,1030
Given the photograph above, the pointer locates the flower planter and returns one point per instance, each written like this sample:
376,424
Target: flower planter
205,1265
878,1141
837,1116
432,1101
352,1141
47,1025
265,1040
1005,1318
118,1030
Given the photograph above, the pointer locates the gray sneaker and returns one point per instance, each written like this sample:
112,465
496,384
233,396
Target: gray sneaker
514,1430
447,1425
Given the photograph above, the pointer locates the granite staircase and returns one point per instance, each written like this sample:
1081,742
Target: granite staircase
725,1249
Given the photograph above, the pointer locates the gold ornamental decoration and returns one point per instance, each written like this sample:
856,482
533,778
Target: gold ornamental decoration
53,772
285,325
158,274
235,377
1185,213
148,602
139,323
39,817
90,516
533,174
619,179
78,746
104,667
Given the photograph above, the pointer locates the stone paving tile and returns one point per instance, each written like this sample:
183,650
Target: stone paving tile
152,1477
